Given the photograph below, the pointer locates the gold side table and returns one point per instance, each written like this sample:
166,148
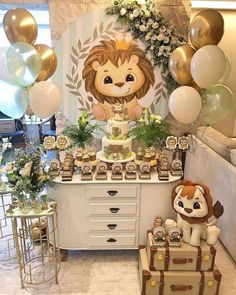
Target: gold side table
37,243
7,245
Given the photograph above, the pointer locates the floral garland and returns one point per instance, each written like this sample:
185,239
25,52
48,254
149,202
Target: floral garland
147,24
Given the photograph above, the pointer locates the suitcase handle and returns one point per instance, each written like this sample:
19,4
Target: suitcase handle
112,193
112,226
182,260
114,210
176,288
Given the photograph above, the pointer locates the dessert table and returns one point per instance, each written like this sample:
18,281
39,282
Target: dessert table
110,214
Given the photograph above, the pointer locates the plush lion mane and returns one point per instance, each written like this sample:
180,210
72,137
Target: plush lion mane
189,191
107,50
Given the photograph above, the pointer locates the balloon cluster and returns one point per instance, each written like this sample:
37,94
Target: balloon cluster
203,69
24,69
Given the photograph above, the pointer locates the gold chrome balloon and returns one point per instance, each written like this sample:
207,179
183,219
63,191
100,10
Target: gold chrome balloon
179,64
20,26
49,61
206,28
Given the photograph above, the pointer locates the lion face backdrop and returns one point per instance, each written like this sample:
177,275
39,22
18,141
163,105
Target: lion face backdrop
102,65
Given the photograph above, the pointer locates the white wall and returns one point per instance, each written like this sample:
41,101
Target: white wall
228,44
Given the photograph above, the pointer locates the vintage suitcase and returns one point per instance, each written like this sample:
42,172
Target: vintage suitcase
176,282
185,257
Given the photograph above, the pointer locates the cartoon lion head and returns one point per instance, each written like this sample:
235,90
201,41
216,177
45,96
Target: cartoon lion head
116,73
192,201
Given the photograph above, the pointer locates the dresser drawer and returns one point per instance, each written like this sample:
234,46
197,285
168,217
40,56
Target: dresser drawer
113,225
112,208
112,240
112,191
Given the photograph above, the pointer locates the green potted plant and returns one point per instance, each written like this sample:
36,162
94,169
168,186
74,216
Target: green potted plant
151,130
82,133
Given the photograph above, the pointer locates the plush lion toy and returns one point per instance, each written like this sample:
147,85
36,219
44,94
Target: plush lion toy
193,203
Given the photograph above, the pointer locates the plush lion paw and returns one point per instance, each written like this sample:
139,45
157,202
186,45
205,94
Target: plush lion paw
170,223
212,234
99,112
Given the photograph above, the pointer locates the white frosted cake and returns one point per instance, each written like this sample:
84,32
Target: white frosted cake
117,145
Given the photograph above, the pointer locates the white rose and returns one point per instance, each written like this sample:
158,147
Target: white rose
167,39
147,13
155,25
136,13
160,37
122,11
131,16
154,37
142,28
162,48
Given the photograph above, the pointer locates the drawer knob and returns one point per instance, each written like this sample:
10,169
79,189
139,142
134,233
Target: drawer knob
112,226
111,240
112,193
114,210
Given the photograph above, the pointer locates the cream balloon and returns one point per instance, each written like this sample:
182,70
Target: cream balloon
185,104
208,65
44,98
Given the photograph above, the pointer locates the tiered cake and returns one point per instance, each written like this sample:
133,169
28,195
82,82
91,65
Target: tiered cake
116,144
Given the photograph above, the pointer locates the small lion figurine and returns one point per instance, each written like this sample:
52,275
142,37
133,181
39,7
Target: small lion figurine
193,203
117,72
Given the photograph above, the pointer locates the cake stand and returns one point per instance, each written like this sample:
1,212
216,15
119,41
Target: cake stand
101,157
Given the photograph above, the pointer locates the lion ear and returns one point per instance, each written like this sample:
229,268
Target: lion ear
95,65
134,59
200,188
178,188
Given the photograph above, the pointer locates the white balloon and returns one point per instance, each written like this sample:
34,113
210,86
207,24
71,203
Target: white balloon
185,104
44,98
5,75
208,65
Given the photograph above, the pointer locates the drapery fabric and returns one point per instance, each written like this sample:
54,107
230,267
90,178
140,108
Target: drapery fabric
65,12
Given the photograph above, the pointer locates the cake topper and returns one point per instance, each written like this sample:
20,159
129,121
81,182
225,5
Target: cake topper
171,143
86,172
183,143
130,173
145,171
49,142
101,171
116,171
54,168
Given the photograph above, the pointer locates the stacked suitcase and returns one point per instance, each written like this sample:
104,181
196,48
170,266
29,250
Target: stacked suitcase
178,270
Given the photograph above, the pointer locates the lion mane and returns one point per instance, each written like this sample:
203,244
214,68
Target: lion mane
189,189
107,50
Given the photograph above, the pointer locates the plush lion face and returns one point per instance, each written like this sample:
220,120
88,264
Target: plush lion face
117,75
192,201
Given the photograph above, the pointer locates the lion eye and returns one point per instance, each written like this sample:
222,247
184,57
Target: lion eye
196,205
108,80
181,204
129,78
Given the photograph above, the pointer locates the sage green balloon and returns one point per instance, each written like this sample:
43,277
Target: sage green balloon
24,63
218,102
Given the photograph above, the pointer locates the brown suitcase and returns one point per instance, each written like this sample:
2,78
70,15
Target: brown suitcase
185,257
177,282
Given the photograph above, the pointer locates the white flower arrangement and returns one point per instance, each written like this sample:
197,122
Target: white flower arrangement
146,23
5,144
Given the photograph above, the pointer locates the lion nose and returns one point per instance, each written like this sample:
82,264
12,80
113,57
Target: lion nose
188,210
119,84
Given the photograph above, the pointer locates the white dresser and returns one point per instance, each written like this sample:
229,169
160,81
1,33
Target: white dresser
110,214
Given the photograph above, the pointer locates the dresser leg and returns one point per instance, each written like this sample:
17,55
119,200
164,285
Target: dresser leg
64,255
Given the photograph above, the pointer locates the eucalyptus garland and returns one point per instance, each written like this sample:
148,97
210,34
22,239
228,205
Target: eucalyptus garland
146,23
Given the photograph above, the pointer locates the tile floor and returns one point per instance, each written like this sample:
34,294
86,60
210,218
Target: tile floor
103,273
